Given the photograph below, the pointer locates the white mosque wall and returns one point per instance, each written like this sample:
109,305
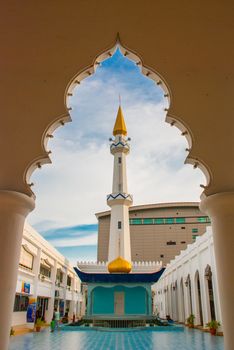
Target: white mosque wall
177,292
47,289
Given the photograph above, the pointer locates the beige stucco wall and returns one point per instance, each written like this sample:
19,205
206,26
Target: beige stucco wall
149,242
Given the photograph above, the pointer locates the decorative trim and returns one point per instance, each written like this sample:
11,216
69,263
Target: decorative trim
119,277
119,195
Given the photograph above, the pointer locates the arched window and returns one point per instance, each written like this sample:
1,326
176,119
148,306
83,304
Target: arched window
26,258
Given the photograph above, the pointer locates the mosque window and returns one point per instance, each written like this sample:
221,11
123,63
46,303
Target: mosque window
194,230
148,221
21,303
182,242
161,255
159,221
182,227
169,220
119,224
202,219
180,220
171,243
26,258
119,160
136,221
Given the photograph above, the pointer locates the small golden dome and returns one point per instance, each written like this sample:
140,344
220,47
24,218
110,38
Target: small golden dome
120,126
119,265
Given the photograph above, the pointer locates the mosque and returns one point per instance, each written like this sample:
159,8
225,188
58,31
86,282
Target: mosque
119,289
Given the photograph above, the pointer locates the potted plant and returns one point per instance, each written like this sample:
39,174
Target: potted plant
213,325
190,321
39,324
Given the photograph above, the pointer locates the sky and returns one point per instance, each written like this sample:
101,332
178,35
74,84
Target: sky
71,190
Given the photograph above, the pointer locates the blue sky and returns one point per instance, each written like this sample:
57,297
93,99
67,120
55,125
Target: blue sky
71,190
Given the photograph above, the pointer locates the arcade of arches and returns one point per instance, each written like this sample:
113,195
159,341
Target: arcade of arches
190,285
45,46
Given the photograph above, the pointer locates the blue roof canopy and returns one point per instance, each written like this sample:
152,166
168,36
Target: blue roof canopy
119,277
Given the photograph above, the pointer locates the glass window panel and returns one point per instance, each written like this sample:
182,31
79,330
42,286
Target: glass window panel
171,243
201,219
180,220
159,221
148,221
194,230
136,221
169,221
21,303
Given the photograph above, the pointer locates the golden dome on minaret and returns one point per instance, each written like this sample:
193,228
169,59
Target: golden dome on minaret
120,126
119,265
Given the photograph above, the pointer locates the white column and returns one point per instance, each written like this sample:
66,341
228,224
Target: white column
186,301
179,296
204,296
196,309
182,302
14,207
220,208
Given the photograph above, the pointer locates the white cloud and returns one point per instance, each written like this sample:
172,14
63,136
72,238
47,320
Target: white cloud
74,187
74,242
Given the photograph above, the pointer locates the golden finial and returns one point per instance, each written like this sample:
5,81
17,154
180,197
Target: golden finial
120,126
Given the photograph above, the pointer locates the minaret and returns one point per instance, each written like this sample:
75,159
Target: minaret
119,254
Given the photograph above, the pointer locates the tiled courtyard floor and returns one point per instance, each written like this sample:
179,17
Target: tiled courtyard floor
175,338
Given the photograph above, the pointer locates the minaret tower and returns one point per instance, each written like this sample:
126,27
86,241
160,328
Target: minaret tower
119,254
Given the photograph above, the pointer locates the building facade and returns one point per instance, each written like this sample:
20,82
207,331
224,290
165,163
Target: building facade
158,232
189,285
47,276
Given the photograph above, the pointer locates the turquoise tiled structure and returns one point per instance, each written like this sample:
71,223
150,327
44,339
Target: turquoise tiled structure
101,299
119,295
